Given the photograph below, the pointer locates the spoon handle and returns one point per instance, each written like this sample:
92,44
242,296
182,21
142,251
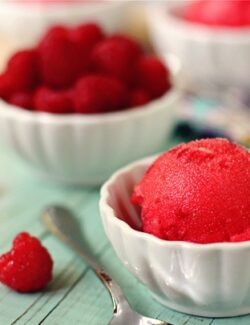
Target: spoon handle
61,222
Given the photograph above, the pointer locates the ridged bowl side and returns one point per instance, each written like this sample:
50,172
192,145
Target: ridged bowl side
208,55
209,280
87,149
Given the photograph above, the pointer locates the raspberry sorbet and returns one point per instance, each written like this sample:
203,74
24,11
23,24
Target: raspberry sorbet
218,13
197,192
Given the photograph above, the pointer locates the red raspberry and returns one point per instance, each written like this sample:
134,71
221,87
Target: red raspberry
139,97
134,46
60,59
23,70
153,76
28,266
116,56
21,75
55,31
99,94
6,88
86,37
50,101
24,100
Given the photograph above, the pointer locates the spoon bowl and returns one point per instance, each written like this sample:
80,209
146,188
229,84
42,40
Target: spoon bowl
63,224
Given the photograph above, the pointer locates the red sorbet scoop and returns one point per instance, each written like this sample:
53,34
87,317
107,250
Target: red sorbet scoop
228,13
197,192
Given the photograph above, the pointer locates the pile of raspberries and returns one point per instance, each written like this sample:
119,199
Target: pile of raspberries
82,70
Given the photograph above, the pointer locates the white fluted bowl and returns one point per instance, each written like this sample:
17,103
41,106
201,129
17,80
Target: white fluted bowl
210,280
86,149
22,25
209,56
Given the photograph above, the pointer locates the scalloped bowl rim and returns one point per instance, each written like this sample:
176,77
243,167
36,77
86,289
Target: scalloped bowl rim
197,31
133,112
110,214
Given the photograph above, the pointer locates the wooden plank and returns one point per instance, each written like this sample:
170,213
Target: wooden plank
243,320
16,216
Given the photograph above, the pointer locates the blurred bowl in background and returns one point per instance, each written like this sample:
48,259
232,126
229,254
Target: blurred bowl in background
86,149
209,56
22,24
209,280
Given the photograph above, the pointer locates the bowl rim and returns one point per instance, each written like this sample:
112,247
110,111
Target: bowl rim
170,97
57,8
197,31
108,213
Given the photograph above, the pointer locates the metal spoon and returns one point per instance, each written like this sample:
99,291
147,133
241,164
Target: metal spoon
61,222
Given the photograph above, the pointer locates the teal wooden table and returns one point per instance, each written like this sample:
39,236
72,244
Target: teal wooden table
75,295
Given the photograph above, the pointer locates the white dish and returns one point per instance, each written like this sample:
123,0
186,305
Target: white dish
209,56
86,149
210,280
22,25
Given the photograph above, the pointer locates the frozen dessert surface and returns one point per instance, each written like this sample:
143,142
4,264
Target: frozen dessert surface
197,192
217,13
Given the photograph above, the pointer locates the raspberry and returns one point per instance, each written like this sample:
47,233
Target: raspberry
28,266
116,56
153,76
22,99
23,68
86,37
99,94
60,59
56,30
6,88
134,46
50,101
21,75
139,97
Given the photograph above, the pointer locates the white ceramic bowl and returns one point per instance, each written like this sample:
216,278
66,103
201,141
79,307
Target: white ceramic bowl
22,25
209,56
211,280
86,149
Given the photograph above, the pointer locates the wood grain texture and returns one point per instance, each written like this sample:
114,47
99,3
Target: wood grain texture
75,295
